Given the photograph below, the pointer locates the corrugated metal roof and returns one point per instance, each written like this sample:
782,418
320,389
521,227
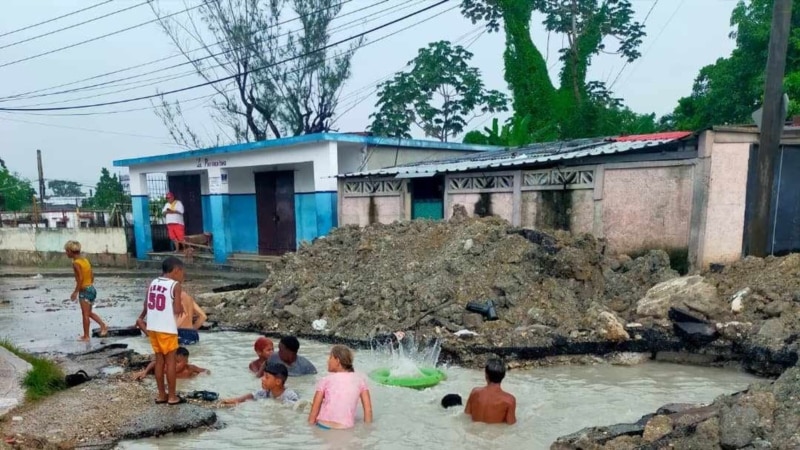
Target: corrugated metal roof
537,154
653,136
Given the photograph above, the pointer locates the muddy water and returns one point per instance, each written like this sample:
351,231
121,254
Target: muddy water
551,402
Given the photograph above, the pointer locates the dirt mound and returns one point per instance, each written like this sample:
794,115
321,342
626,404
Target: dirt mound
359,282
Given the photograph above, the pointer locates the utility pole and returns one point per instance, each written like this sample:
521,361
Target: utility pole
771,126
41,175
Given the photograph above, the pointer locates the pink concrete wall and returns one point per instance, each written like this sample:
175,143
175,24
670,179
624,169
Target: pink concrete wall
722,237
502,204
355,210
646,208
581,212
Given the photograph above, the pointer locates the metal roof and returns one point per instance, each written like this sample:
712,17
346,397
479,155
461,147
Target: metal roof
536,154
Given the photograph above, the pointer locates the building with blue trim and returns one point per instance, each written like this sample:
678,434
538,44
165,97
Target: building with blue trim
267,197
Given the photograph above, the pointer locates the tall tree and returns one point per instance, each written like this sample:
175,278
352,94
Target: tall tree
65,188
284,84
16,193
440,93
108,192
730,89
576,107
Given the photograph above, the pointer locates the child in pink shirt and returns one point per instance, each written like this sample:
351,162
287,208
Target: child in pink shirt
337,395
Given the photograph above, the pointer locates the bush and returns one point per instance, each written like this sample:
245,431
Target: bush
45,377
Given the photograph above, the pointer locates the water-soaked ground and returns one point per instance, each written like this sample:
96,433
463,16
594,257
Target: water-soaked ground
36,314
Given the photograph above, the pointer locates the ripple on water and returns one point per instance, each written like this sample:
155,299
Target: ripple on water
551,402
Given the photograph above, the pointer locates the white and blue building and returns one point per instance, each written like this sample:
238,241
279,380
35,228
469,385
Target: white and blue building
267,197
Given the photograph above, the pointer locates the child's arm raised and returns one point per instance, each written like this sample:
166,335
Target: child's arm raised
366,403
315,407
78,281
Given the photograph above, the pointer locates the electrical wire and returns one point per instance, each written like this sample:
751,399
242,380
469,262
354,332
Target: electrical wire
137,66
50,33
149,82
97,38
231,77
119,133
7,33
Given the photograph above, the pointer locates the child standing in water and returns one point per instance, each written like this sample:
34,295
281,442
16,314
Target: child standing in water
158,320
84,291
337,395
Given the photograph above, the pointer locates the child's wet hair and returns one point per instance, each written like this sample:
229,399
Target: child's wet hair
277,370
182,351
171,263
344,355
495,370
451,400
73,246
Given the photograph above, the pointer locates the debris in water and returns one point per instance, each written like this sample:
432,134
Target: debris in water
319,324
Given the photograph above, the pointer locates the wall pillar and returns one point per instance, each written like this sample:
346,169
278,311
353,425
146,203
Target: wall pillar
140,206
219,202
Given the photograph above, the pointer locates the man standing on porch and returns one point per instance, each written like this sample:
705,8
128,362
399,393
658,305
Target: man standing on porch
173,211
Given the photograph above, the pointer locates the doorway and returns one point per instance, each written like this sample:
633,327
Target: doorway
275,212
427,198
187,189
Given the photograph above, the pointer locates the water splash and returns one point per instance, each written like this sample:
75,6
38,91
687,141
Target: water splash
406,357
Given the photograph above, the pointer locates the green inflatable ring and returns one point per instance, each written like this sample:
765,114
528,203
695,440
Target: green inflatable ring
430,377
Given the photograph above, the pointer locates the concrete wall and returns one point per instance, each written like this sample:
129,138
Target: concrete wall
646,208
537,209
501,204
26,246
388,209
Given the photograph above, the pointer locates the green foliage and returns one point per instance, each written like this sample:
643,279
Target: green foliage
109,191
514,133
730,89
16,193
64,188
441,94
576,108
45,377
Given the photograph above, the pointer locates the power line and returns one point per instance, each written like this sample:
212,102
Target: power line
643,22
149,82
8,119
54,19
231,77
33,38
97,38
125,69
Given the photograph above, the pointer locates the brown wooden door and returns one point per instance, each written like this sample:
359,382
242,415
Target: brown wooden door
275,212
187,189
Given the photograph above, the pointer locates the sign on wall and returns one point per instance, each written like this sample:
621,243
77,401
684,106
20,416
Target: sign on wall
206,162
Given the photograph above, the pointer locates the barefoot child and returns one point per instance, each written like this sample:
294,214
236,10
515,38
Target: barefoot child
491,404
162,305
84,291
337,395
263,348
273,385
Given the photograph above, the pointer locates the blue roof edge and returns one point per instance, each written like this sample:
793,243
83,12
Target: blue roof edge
305,139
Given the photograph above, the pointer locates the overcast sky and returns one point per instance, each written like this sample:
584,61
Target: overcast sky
682,36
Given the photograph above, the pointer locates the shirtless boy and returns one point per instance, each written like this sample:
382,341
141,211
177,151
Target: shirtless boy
491,404
182,367
264,348
190,321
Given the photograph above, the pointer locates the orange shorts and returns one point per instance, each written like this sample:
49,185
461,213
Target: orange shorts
176,232
163,342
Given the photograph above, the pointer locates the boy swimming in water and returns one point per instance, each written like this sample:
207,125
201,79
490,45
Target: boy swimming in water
273,385
491,404
182,367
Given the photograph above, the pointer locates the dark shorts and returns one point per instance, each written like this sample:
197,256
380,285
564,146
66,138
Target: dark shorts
88,294
188,336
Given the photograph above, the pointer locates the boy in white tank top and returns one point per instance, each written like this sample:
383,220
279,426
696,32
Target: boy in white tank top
158,320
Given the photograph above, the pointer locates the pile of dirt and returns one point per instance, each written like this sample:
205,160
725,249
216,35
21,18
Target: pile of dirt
357,283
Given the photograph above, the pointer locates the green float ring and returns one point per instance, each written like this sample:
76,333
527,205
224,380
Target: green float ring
430,377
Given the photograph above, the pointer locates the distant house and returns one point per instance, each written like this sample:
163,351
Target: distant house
684,192
266,197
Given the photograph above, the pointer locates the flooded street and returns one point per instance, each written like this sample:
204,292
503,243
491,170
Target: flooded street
551,402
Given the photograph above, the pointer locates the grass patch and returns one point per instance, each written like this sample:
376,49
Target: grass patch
45,377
